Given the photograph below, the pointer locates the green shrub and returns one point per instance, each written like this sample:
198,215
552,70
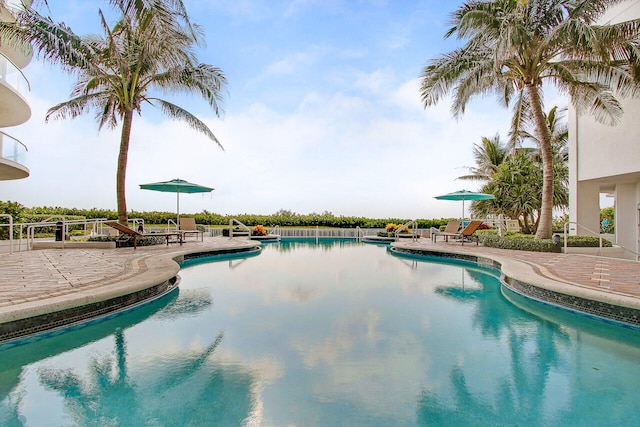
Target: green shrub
16,210
517,243
527,242
126,241
386,234
585,242
609,215
103,238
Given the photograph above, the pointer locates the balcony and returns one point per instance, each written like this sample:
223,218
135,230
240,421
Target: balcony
19,55
13,155
14,109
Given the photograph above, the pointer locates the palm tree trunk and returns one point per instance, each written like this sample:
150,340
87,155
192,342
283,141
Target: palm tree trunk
545,220
121,173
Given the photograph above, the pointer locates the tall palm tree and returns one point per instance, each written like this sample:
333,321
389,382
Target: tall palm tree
488,155
515,47
150,47
559,134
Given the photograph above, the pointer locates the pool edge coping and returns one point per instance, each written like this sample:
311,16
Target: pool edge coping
517,275
160,272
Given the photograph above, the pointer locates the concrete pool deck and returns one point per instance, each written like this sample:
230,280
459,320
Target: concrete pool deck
38,282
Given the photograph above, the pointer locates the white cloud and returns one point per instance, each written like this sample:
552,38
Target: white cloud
289,65
325,127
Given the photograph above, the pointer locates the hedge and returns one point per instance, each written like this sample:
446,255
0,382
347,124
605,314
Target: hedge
525,242
282,218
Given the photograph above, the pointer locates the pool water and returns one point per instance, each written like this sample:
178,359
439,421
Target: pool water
333,333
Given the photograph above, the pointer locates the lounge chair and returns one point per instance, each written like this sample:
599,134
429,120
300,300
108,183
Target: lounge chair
450,230
133,233
188,226
466,233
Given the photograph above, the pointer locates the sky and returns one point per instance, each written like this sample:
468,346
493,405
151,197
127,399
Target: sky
321,112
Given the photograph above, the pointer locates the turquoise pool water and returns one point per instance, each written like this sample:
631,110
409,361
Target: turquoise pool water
331,334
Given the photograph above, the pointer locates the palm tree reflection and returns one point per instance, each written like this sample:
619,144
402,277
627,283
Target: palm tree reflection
535,348
530,346
115,391
111,393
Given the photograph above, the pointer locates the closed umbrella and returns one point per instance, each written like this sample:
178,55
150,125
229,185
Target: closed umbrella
465,195
177,186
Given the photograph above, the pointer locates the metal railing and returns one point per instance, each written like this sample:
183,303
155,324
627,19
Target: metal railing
595,233
10,231
46,223
17,5
239,224
12,149
274,231
89,227
12,76
331,233
413,223
347,233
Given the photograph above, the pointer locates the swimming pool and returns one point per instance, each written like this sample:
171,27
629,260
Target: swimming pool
328,334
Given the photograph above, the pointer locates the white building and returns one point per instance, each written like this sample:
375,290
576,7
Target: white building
606,160
14,109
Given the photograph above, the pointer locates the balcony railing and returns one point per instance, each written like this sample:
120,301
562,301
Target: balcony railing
15,6
12,149
12,75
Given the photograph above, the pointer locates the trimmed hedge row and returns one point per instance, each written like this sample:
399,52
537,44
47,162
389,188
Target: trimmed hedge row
491,240
586,242
282,218
523,242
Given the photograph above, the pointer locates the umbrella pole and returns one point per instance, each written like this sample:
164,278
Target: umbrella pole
178,208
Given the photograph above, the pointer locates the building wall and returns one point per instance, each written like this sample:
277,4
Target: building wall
606,159
609,150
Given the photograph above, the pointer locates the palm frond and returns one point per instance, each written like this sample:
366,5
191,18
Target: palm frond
202,79
179,113
520,121
73,107
52,42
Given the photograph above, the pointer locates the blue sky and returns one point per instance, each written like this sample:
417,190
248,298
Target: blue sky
321,113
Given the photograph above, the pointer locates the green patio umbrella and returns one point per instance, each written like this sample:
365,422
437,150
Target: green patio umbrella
465,195
177,186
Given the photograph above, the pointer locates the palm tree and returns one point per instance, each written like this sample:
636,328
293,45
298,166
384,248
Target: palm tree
558,132
515,47
516,185
488,155
149,48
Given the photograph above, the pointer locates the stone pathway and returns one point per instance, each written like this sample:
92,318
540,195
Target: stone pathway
38,275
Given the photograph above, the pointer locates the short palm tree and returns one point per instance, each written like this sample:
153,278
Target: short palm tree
515,47
558,132
150,47
488,155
